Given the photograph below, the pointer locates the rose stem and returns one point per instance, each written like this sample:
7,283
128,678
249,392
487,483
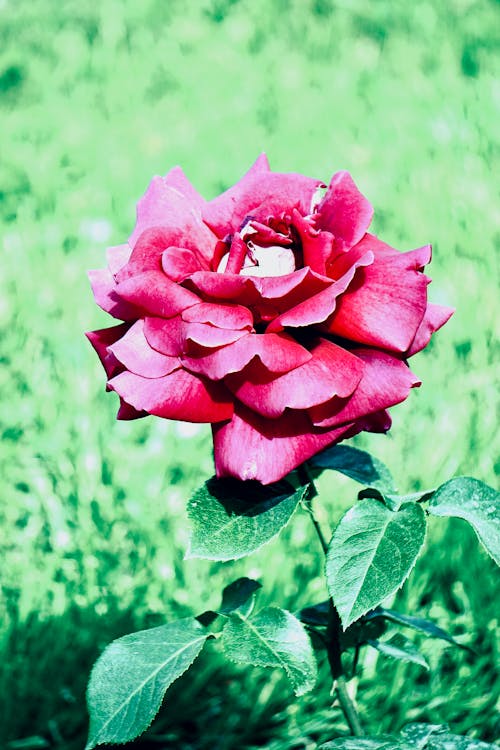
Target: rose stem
334,628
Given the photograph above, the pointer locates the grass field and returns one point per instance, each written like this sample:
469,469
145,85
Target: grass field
95,98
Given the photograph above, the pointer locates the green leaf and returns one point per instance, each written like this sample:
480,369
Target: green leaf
365,743
417,623
438,737
357,465
239,595
399,647
394,502
272,638
129,680
231,519
476,503
372,552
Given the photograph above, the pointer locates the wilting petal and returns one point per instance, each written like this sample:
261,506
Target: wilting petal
134,351
251,447
344,211
386,381
220,315
278,352
317,308
435,317
104,338
332,371
163,205
156,295
259,195
117,256
178,263
385,303
179,395
105,294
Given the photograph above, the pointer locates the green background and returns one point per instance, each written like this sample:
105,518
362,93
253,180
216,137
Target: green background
95,98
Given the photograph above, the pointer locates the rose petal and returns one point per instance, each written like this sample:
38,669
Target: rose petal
117,256
166,336
385,303
317,247
259,194
386,381
101,340
156,295
165,205
435,317
278,352
179,395
178,263
220,315
344,211
332,371
317,308
211,337
106,295
127,412
134,351
251,447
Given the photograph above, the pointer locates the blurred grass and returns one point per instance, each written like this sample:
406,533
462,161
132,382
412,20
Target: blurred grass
94,100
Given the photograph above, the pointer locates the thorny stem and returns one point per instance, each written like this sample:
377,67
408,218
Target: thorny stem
334,630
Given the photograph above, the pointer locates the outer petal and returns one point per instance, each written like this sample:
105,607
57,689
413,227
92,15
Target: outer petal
104,338
332,371
385,304
106,295
166,336
259,194
220,315
211,337
155,294
278,352
127,412
251,447
435,317
317,308
178,263
135,353
117,256
344,211
179,395
386,381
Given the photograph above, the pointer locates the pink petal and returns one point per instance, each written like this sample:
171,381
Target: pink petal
156,295
105,294
221,315
166,336
251,447
104,338
211,337
278,352
127,412
317,308
386,302
117,256
435,317
179,262
134,351
386,381
332,371
344,211
165,205
176,179
179,395
259,194
317,247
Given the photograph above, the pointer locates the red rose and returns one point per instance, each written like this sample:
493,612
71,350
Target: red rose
269,312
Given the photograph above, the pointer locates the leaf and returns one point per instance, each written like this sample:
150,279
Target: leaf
316,615
272,638
129,680
417,623
399,647
476,503
231,519
438,737
394,502
356,464
239,595
365,743
371,553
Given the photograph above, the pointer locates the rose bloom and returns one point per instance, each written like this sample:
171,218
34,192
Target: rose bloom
269,312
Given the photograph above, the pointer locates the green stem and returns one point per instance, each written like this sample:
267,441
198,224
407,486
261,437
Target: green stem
333,642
